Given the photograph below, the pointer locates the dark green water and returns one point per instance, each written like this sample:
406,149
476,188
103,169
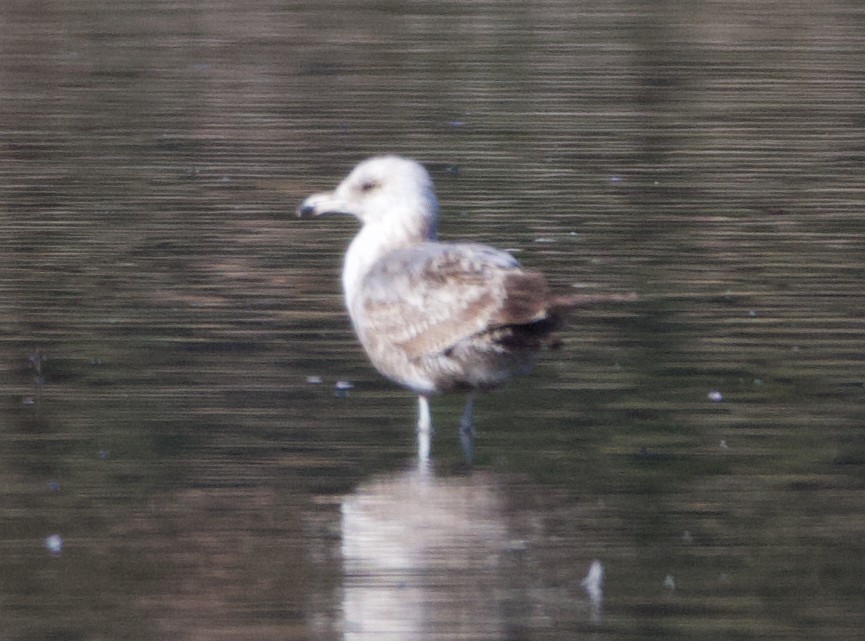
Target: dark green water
162,312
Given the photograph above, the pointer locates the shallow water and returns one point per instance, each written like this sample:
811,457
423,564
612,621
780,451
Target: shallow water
165,320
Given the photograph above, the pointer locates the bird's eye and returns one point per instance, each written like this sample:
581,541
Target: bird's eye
367,185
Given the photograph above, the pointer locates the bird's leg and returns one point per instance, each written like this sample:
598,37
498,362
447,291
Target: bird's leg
467,430
424,428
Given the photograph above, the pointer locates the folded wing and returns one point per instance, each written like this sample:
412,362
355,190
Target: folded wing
429,297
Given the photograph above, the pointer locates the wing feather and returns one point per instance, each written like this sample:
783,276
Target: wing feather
426,298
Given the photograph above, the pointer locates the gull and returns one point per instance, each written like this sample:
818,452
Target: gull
434,317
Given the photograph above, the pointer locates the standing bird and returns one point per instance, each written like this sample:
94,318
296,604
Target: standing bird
434,317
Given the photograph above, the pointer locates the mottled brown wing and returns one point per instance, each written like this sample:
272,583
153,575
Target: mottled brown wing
426,298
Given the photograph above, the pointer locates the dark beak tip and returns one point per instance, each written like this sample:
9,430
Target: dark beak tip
305,211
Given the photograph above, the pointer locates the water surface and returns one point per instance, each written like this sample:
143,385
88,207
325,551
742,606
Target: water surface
165,321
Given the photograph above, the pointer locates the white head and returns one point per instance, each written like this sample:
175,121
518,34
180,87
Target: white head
389,191
393,198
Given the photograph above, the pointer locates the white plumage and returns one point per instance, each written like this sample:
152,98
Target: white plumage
433,317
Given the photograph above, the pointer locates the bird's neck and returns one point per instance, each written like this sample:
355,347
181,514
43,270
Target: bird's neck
371,244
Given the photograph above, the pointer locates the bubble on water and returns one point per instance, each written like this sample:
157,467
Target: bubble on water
54,544
342,388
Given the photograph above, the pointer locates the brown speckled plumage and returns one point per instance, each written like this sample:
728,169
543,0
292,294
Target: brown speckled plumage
434,317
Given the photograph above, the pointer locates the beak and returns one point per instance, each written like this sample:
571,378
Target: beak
305,210
323,204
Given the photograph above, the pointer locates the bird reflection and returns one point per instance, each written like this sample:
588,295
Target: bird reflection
423,554
426,555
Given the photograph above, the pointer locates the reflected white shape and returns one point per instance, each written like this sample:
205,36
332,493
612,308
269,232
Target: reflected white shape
477,555
423,554
593,584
